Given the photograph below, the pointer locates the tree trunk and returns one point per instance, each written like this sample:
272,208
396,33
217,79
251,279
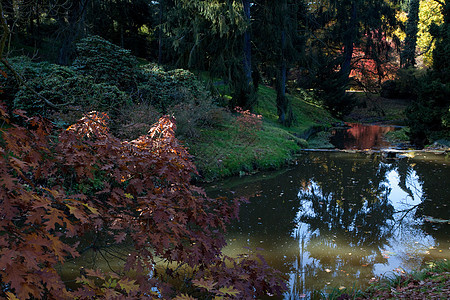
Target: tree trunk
349,40
408,55
73,30
284,109
160,16
247,45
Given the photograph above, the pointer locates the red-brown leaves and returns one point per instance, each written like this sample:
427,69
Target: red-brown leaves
137,192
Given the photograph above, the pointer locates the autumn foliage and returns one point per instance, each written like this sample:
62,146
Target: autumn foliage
58,188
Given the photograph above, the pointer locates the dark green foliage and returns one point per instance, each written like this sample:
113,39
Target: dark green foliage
279,44
61,85
408,57
330,86
244,92
106,63
24,68
428,116
405,86
334,96
215,36
181,94
164,89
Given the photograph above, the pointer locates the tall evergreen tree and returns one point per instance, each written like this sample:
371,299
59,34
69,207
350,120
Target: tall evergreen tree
72,25
214,36
408,56
276,26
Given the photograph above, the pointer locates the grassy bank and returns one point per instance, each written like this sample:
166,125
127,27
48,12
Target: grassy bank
230,150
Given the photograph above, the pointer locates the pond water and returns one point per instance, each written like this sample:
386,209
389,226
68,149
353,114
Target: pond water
339,219
361,136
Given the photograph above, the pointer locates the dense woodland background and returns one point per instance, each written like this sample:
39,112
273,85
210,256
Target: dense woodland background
82,81
327,46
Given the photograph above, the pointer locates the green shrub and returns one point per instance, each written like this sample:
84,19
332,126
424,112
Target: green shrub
62,85
166,89
106,63
334,97
49,80
427,115
404,86
25,68
180,93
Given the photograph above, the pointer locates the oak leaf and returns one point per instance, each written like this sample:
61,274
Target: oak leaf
228,291
207,284
128,285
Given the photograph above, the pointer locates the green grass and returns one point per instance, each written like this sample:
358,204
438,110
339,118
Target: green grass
305,112
225,151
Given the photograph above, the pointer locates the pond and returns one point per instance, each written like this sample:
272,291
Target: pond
339,219
361,136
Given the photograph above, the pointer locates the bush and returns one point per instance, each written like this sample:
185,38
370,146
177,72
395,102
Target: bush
181,94
25,68
165,89
63,86
334,97
330,86
404,86
193,115
106,63
427,115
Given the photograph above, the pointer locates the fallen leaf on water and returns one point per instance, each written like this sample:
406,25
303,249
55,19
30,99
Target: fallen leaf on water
327,270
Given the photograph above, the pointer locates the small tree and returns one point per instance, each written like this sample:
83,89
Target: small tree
84,180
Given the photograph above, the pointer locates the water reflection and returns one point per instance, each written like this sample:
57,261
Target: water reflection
338,218
361,136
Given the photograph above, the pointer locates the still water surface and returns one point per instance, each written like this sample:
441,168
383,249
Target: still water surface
339,219
361,136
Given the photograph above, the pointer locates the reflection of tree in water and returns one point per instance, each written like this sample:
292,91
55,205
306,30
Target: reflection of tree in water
431,184
339,202
349,198
345,206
